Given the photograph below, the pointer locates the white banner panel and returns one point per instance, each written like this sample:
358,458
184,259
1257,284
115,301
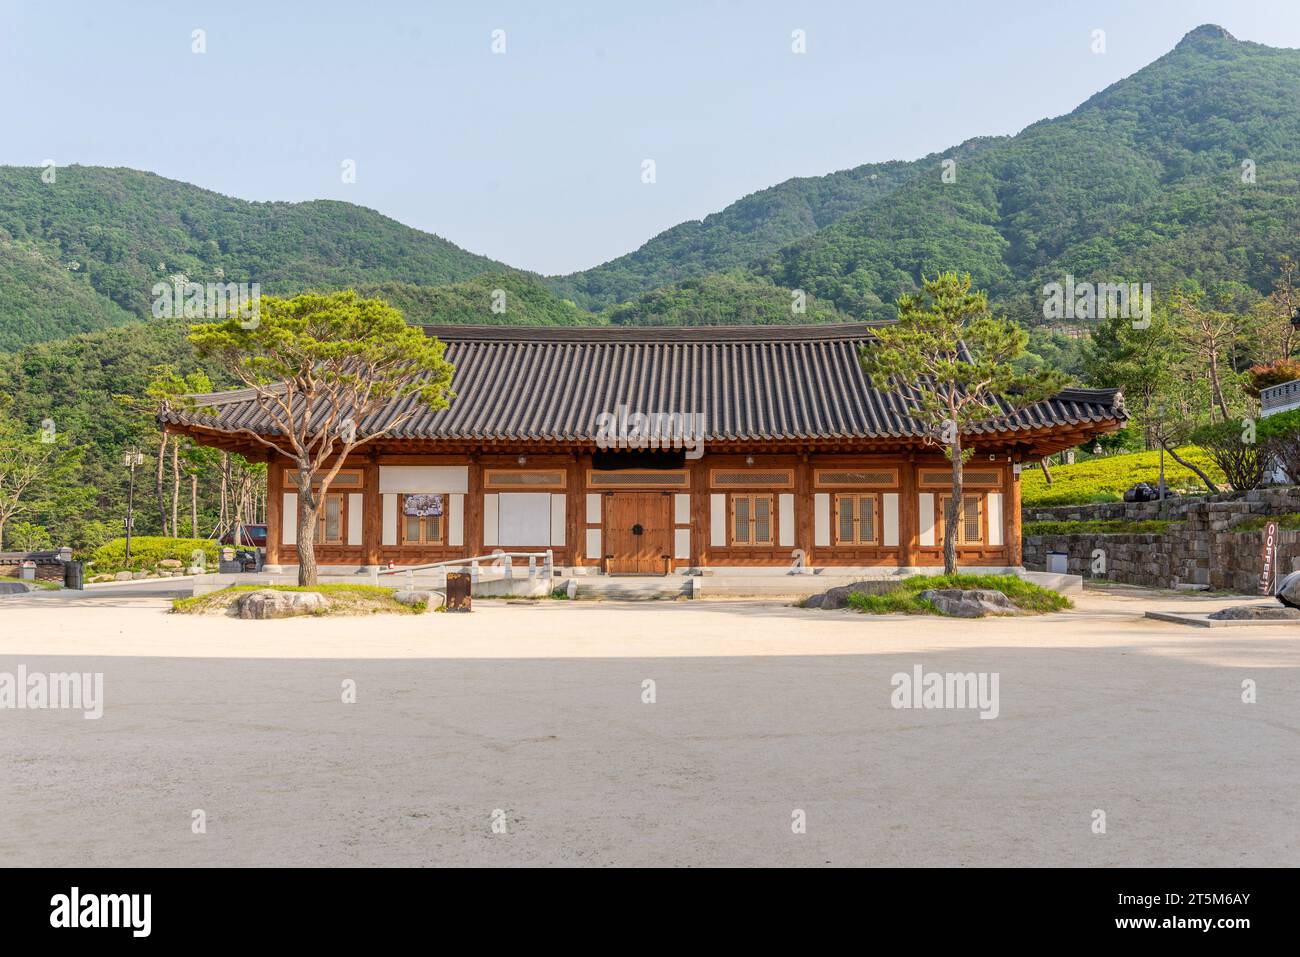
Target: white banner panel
889,519
558,512
524,518
785,519
681,509
289,519
593,508
356,515
456,520
593,544
995,518
718,520
413,479
821,519
388,532
491,523
682,543
926,508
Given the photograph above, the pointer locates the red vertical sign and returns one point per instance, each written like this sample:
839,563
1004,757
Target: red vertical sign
1269,557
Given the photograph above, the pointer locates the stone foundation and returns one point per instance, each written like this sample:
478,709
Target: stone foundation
1202,550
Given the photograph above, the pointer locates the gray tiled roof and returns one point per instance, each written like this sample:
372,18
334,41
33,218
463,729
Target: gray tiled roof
753,383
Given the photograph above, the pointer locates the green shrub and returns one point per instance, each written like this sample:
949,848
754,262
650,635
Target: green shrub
148,550
1105,478
1280,434
1241,462
1098,527
1289,521
905,599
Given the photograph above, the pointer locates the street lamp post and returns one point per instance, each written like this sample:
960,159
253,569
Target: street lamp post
132,459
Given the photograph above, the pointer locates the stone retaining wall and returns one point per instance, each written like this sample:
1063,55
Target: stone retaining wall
1203,549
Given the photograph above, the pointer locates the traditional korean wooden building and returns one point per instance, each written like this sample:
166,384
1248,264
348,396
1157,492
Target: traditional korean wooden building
776,443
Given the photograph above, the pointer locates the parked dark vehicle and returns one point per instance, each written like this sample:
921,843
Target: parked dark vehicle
1144,492
254,535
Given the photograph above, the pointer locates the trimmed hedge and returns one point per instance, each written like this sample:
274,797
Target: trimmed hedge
1099,526
1105,478
148,550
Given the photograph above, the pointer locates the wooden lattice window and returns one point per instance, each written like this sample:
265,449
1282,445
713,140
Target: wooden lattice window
855,478
752,478
423,518
523,480
857,519
970,477
970,524
332,524
751,520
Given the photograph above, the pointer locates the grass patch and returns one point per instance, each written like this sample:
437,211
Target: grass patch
1288,520
1105,478
906,598
344,599
1155,526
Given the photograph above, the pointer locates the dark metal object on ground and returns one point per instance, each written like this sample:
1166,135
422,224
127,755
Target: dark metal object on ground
458,591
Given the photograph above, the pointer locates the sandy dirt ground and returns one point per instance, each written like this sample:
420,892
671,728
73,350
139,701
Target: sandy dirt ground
533,714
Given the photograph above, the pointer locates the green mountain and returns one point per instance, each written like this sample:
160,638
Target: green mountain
1145,181
84,252
742,233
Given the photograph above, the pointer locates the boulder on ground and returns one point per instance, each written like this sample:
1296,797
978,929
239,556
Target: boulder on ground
1256,613
837,597
122,577
170,563
136,576
969,603
269,603
1288,590
415,596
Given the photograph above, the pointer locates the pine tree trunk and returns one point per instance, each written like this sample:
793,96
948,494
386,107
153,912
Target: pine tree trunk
1046,462
194,504
952,513
307,573
162,501
223,514
176,489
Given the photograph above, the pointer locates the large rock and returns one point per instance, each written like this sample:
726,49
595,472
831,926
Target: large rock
1256,613
413,597
836,597
269,603
122,577
1288,590
969,603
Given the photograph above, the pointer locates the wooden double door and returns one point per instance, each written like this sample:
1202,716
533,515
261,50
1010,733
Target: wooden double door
638,533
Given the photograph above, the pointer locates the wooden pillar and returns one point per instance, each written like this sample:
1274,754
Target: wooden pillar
909,519
474,509
700,512
804,536
575,515
1011,510
373,507
274,506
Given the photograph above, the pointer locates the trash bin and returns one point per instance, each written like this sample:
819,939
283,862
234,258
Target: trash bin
1058,563
458,591
74,575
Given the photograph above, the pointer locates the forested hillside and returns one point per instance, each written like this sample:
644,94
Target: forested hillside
1144,181
84,251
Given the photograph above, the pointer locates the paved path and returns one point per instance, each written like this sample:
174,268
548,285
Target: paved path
536,710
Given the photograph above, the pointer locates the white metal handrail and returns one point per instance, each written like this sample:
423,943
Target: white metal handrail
505,560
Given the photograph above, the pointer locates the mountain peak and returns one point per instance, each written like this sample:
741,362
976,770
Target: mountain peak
1207,34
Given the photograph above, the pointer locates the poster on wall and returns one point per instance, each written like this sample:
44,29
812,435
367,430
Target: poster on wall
422,506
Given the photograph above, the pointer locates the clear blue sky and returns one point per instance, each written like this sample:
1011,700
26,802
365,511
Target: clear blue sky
534,157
